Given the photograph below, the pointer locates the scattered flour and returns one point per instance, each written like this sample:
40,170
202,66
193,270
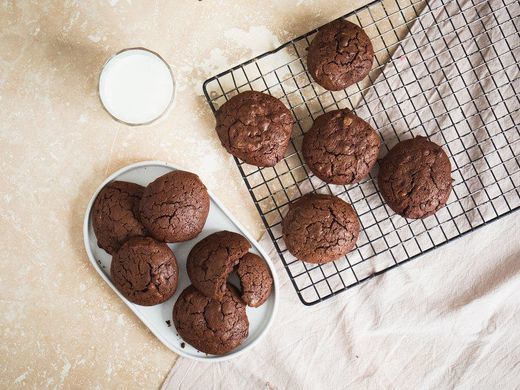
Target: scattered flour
65,371
255,40
21,378
94,38
258,39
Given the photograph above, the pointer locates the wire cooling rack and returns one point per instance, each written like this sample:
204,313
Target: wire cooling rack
445,69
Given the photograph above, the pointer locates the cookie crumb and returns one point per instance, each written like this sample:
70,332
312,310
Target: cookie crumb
183,345
169,323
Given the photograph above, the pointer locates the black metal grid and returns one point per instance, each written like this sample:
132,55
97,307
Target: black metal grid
459,100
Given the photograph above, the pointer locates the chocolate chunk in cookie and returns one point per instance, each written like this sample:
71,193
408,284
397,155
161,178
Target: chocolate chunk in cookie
340,55
340,147
415,178
174,207
255,127
115,215
212,259
211,326
320,228
255,279
145,271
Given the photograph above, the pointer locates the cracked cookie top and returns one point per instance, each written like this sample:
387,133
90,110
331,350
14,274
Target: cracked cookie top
340,55
212,259
340,147
255,280
145,271
415,178
115,215
255,127
320,228
211,326
174,207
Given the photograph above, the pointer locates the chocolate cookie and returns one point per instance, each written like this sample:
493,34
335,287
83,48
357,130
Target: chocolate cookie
255,127
145,271
340,55
115,215
174,207
320,228
415,178
211,326
340,147
212,259
255,279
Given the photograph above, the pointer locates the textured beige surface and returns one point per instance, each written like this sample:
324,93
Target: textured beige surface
60,324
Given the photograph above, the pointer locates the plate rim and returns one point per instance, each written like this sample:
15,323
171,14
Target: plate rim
258,247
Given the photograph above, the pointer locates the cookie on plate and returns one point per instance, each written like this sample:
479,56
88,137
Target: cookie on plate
209,325
145,271
115,215
415,178
174,207
340,55
340,147
320,228
255,280
255,127
212,259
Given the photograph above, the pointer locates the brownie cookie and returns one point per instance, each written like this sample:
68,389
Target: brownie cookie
212,259
255,279
415,178
174,207
145,271
340,147
320,228
211,326
115,215
340,55
255,127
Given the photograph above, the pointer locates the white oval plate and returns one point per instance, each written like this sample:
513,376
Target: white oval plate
156,317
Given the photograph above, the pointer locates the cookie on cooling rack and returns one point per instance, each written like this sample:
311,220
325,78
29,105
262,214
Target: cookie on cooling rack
255,127
320,228
340,147
212,259
415,178
209,325
340,55
145,271
115,215
174,207
255,280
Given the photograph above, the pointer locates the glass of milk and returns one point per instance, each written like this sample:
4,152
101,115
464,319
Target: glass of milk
136,86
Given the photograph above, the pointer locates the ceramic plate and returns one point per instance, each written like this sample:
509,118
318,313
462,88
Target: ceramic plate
157,318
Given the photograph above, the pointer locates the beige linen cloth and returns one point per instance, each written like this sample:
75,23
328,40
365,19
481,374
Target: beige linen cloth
448,319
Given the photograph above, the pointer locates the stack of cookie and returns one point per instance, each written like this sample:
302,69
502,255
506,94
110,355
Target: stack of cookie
340,148
133,224
211,313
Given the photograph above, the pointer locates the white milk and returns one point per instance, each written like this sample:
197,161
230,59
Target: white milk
136,86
